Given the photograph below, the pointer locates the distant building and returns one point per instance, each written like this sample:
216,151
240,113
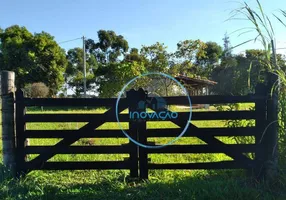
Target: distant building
196,87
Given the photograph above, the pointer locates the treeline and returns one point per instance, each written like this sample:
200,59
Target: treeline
111,62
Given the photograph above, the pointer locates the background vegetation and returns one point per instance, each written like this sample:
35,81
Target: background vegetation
110,63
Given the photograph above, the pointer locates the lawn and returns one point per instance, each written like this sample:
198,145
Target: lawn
115,184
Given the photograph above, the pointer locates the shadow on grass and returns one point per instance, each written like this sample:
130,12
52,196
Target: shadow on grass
101,185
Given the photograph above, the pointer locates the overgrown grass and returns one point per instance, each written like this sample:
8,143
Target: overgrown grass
115,184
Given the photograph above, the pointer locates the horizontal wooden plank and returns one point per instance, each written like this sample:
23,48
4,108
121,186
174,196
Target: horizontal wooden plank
107,102
78,165
74,134
206,165
193,131
213,99
219,115
172,132
214,115
111,149
72,102
111,117
242,148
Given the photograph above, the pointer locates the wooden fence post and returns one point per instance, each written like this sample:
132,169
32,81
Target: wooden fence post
133,157
8,119
20,128
142,138
271,134
260,124
137,129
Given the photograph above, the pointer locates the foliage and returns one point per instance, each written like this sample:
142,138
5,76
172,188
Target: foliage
36,90
236,77
191,49
133,55
156,57
61,95
212,55
227,49
114,76
111,72
282,126
109,47
39,57
39,90
262,26
74,72
238,123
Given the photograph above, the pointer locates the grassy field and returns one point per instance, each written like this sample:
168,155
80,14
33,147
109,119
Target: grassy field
115,184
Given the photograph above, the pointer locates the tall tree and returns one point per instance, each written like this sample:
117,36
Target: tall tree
156,57
134,55
74,72
227,51
227,59
113,80
191,50
109,47
188,52
34,58
207,63
213,53
114,69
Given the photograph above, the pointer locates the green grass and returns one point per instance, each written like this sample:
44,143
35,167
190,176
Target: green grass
115,184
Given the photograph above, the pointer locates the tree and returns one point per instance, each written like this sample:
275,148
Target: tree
109,47
74,72
227,50
108,53
118,74
33,58
188,52
15,42
156,57
191,49
50,61
213,53
281,61
210,60
242,77
133,55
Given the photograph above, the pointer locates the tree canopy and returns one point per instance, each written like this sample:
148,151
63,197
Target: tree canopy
33,57
110,63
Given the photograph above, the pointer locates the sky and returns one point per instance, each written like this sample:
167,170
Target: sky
141,22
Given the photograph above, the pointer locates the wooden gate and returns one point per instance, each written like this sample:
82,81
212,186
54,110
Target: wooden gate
138,162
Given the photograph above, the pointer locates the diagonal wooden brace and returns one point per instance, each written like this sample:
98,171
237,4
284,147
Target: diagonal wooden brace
39,160
211,140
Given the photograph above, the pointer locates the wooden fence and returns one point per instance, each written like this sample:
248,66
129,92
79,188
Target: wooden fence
138,162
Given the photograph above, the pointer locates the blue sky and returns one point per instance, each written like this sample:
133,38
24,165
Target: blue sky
141,22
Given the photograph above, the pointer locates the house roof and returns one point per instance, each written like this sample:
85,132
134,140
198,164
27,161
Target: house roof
195,82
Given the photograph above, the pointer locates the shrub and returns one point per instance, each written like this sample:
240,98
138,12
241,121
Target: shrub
36,90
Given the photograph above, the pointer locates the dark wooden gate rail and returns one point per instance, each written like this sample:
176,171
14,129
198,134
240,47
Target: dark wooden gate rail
138,156
71,136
